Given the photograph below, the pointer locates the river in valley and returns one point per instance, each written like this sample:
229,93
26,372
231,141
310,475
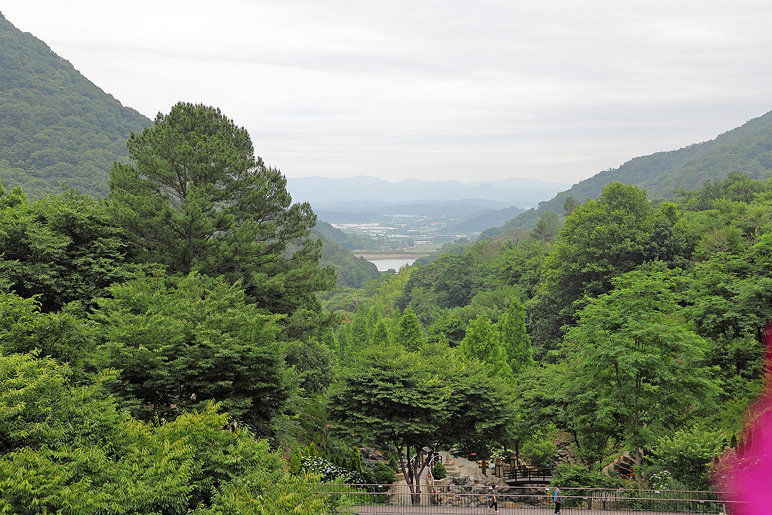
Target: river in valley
393,261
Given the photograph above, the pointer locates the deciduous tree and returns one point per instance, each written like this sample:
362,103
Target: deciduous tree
66,449
601,239
181,343
61,248
417,400
640,366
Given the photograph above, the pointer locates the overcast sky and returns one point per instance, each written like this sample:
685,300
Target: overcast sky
555,90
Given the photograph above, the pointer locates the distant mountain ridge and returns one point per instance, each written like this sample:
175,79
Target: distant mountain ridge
746,149
467,216
483,221
321,191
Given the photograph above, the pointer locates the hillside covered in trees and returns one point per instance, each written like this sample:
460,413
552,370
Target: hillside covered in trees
747,149
56,127
634,327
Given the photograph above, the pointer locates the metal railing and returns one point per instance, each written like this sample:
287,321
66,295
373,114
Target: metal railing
454,499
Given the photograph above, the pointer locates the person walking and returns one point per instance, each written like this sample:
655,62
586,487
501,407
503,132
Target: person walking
557,496
494,500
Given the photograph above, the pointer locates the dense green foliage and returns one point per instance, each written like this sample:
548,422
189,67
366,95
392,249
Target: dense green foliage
661,309
68,449
601,239
183,344
637,368
60,248
56,127
628,322
687,454
148,340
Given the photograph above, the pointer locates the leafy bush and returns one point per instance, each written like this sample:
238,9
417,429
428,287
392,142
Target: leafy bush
575,475
378,473
439,471
687,453
540,449
664,480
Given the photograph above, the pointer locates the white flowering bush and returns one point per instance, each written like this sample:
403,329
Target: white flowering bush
664,480
330,473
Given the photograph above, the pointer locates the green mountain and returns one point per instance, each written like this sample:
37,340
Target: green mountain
482,221
746,149
352,271
56,127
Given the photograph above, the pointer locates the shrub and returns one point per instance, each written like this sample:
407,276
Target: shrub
295,462
687,454
575,475
378,473
330,473
439,471
540,450
664,480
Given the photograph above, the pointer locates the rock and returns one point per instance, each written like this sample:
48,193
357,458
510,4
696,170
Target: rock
370,453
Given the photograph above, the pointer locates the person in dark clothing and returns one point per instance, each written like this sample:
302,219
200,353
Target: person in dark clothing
494,500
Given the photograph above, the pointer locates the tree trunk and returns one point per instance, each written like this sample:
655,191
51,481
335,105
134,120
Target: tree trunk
638,468
409,467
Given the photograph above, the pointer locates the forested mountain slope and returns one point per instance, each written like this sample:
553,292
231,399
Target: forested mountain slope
56,127
746,149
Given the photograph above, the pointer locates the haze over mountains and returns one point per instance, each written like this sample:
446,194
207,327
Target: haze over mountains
59,129
326,192
460,208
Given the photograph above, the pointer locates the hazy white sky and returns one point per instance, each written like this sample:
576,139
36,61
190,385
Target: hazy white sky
555,90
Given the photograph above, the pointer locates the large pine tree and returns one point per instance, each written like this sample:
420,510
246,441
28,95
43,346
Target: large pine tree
196,198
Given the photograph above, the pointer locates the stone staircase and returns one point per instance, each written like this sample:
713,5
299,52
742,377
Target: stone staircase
452,469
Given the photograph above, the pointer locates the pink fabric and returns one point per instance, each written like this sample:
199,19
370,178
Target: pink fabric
746,477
